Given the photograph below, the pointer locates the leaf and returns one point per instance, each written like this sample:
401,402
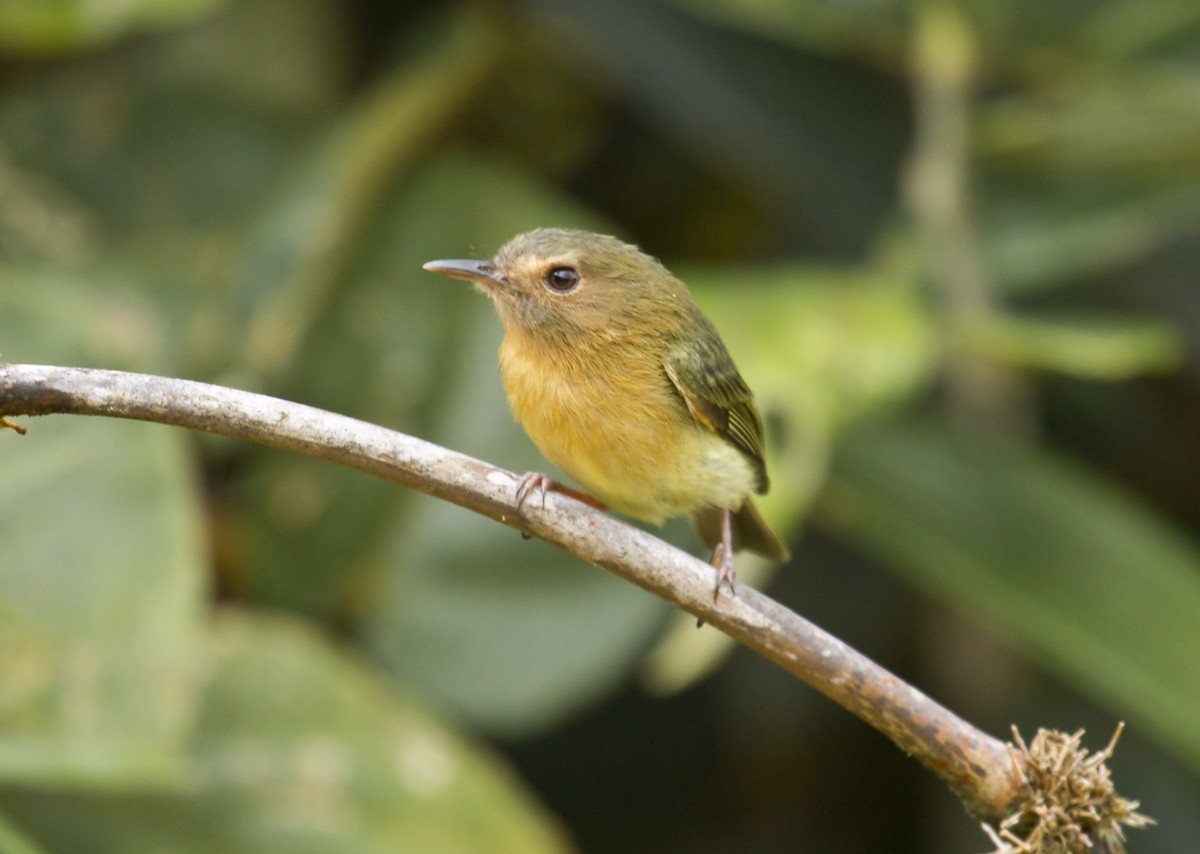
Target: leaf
300,749
1066,566
55,316
293,267
102,560
877,28
1034,244
101,584
14,841
36,26
141,169
1089,173
1109,122
1109,348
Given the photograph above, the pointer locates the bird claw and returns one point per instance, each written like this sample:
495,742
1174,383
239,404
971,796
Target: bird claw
530,482
722,557
536,481
722,560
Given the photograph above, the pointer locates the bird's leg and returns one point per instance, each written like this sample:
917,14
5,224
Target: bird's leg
722,557
536,481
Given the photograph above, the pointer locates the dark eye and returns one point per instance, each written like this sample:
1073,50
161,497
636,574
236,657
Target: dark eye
561,279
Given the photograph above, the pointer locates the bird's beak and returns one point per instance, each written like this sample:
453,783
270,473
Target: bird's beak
480,272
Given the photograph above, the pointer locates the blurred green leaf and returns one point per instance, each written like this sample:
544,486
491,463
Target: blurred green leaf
1109,348
1131,30
139,171
1085,579
299,749
158,146
1089,172
877,28
54,316
1111,123
14,841
511,635
775,142
102,560
293,266
100,591
1037,242
36,26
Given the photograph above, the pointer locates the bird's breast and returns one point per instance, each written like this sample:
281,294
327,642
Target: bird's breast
613,422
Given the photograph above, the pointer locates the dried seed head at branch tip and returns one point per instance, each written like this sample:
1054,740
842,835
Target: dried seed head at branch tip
1068,803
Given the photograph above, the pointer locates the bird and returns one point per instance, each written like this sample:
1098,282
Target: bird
624,384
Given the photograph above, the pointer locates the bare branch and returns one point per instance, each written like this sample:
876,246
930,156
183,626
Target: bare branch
976,766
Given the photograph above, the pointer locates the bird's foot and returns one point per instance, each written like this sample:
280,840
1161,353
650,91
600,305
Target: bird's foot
530,482
537,482
722,557
722,560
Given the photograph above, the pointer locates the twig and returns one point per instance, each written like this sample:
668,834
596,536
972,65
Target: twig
976,766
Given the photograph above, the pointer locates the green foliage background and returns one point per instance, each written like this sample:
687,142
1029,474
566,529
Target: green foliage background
953,246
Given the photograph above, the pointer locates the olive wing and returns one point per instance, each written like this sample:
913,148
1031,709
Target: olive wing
717,396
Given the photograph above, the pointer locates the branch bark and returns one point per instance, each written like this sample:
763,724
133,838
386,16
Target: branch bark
977,767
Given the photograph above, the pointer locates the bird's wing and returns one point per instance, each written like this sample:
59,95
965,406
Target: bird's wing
717,396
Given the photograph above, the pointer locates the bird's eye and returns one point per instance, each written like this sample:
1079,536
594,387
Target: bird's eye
561,279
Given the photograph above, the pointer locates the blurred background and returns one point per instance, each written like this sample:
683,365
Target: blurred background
954,247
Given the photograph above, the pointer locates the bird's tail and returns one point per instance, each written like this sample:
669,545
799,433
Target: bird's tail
750,531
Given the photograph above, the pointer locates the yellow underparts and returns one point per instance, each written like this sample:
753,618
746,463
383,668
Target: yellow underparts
621,430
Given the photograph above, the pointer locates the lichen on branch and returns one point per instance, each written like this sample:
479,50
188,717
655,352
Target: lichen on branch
1067,804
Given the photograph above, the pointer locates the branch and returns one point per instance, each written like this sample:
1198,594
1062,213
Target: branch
977,767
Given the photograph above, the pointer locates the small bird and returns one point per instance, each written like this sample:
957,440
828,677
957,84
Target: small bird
623,383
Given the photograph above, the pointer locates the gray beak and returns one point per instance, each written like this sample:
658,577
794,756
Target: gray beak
480,272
